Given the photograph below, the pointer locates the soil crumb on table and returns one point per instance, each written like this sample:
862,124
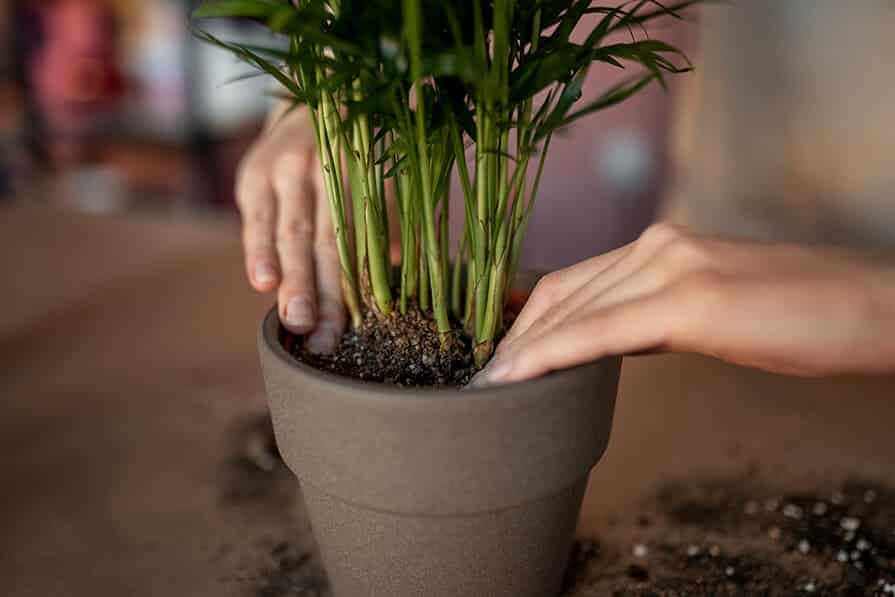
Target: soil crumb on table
294,573
725,539
255,474
403,350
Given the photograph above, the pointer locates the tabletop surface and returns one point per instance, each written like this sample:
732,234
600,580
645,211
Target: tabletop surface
133,437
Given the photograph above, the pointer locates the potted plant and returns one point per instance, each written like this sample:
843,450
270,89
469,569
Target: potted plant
431,491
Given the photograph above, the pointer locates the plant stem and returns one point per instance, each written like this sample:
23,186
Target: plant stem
323,125
412,11
355,177
482,220
425,295
522,225
457,279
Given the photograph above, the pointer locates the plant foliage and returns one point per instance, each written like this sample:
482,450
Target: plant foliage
401,89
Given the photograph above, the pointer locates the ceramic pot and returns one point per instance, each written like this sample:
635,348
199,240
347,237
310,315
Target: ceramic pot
440,493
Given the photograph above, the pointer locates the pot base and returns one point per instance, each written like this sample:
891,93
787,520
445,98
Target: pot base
517,552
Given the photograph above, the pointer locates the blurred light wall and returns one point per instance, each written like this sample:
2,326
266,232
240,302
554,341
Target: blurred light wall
789,131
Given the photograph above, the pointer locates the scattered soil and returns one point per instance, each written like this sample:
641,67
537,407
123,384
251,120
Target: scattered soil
256,482
255,472
403,350
294,573
725,538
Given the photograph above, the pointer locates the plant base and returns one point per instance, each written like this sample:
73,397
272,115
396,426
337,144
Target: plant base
404,350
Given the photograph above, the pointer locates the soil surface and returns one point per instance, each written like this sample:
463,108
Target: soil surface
403,350
732,538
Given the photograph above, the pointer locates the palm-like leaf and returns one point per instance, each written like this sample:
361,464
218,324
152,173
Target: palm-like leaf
400,86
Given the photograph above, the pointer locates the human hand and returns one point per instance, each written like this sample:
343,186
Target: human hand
287,233
783,308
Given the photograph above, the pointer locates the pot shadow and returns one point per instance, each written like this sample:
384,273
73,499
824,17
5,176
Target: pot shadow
256,484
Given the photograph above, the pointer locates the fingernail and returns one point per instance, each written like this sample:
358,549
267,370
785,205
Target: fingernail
493,374
323,340
299,313
264,273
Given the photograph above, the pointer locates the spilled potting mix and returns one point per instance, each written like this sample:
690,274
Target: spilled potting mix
721,537
735,538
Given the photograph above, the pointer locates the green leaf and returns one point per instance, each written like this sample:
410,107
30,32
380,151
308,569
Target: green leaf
613,96
672,10
399,166
546,67
257,9
571,93
255,60
456,62
570,20
648,53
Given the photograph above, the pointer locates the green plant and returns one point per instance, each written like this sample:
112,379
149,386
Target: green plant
400,89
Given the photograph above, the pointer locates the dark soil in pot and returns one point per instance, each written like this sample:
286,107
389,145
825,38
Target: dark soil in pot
403,350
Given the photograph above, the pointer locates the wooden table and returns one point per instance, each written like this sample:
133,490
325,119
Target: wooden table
131,399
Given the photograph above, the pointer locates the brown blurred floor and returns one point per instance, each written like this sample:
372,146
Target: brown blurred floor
129,381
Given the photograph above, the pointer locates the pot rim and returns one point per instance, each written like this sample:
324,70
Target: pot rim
270,338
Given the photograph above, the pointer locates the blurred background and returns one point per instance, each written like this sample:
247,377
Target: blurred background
112,106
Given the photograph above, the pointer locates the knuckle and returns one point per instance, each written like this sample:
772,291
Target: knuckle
250,181
287,169
546,287
686,252
256,217
250,162
295,230
660,233
295,284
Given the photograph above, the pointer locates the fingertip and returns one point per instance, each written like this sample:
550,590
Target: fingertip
263,288
298,315
263,276
325,339
497,372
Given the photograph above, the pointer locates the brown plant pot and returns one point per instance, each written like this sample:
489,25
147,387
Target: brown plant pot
440,493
